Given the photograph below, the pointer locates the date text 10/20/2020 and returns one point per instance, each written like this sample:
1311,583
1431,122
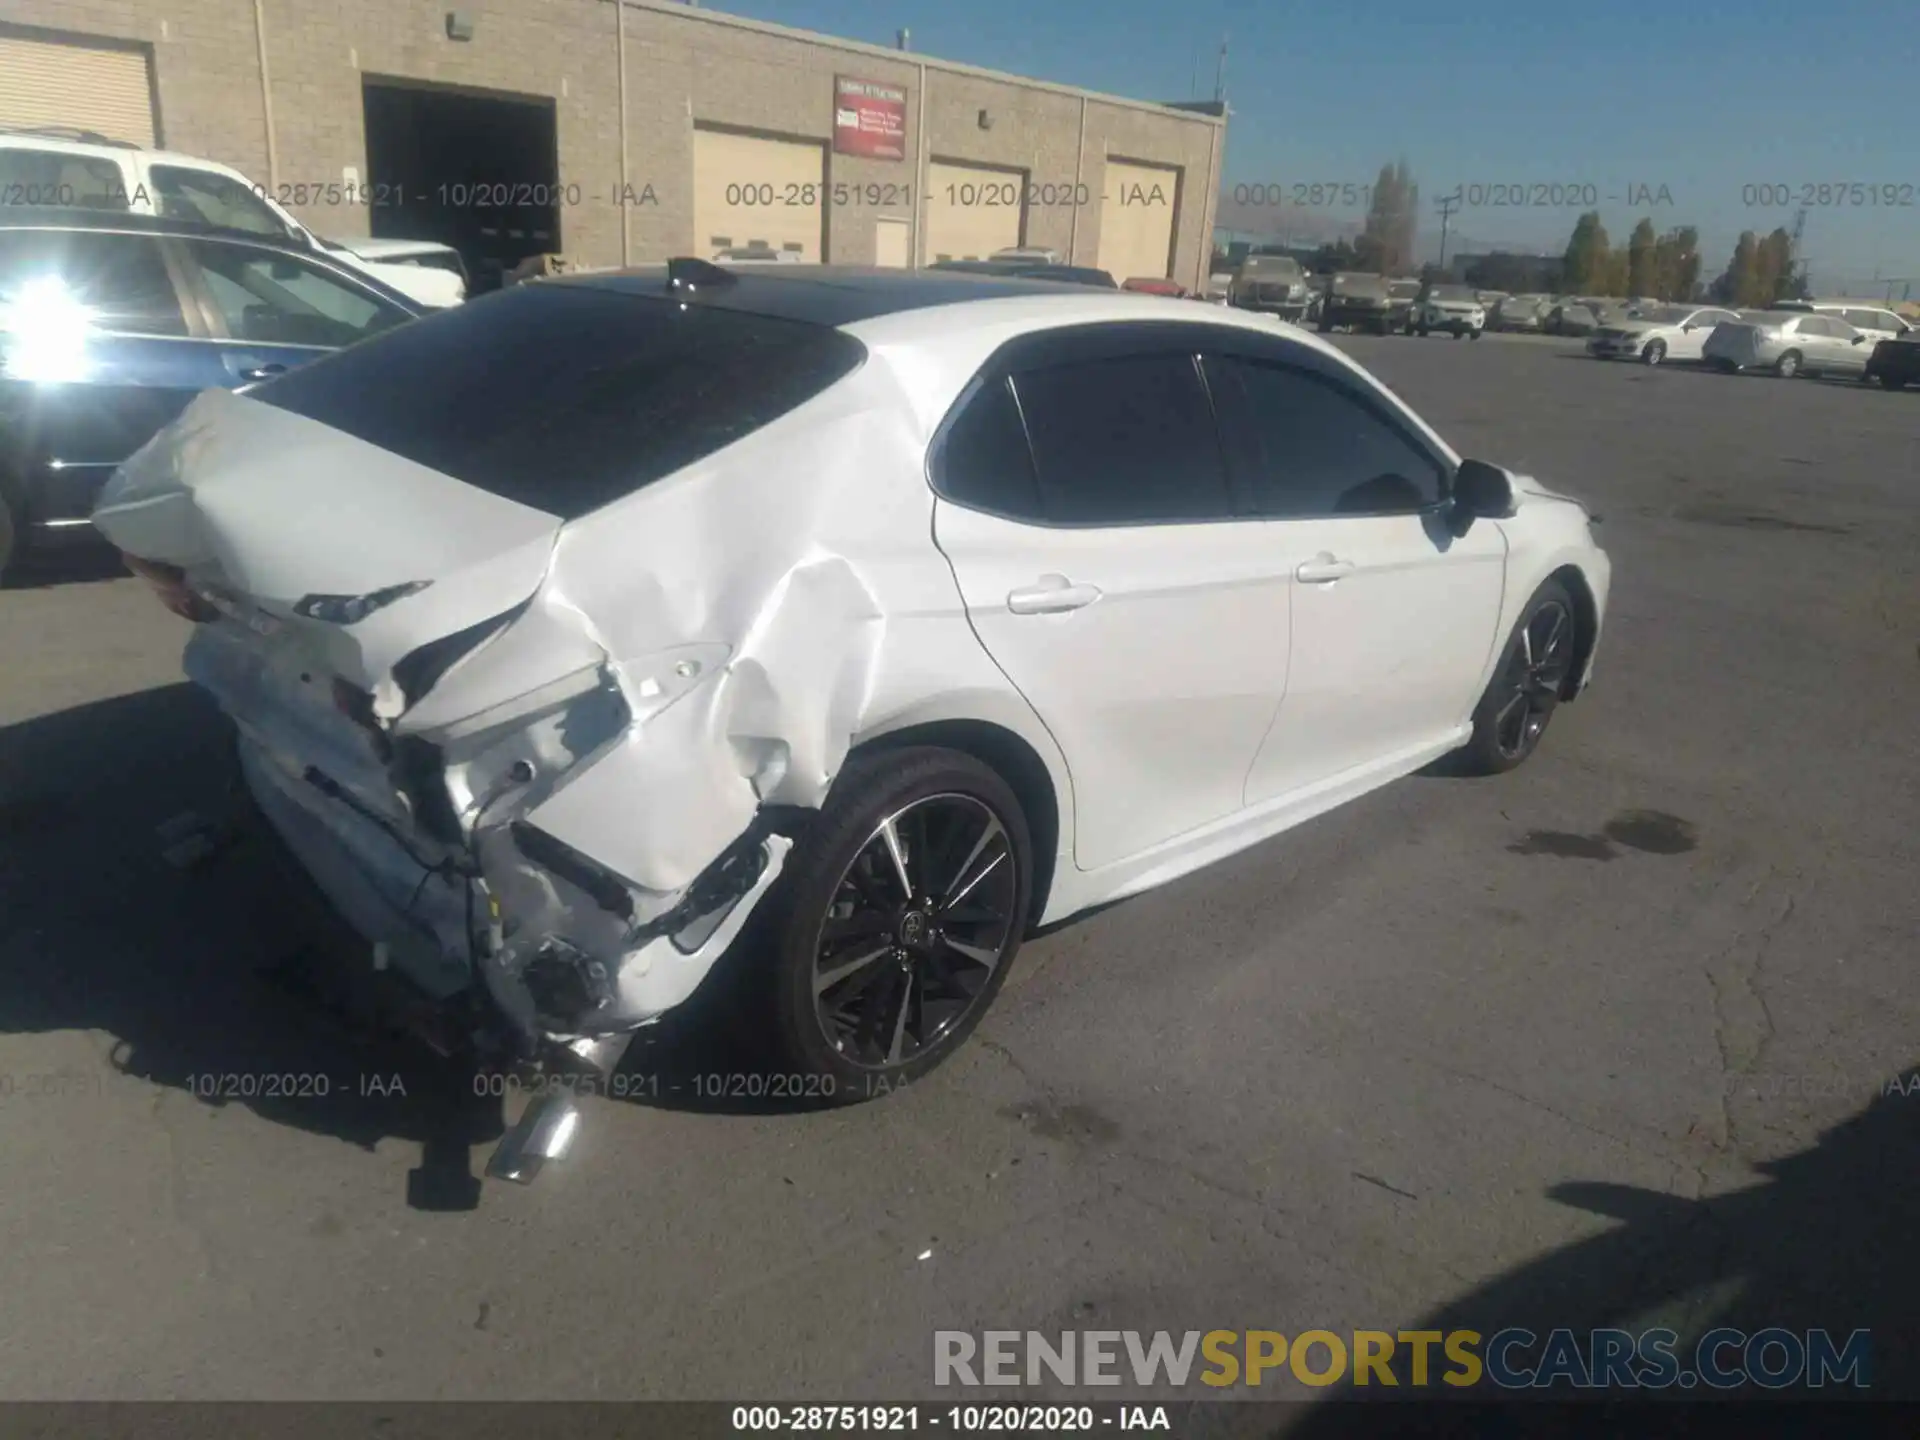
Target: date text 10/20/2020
296,1085
707,1087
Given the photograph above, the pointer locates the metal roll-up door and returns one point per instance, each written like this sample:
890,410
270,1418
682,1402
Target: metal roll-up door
89,87
1136,220
753,192
972,210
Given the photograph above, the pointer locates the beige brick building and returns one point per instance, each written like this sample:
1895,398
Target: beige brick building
622,131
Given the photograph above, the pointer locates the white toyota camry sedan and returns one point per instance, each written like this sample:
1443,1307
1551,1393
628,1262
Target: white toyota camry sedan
569,631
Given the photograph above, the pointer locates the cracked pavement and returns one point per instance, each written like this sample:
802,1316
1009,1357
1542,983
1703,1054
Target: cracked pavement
1491,1048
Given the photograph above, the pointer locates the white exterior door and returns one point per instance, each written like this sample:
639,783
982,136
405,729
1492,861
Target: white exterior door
1136,220
1387,657
1392,617
1104,569
890,243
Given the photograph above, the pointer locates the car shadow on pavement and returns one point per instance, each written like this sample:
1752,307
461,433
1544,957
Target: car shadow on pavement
229,981
1824,1239
198,975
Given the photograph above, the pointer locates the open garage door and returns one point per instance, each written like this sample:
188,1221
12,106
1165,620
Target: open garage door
90,87
1137,205
973,210
757,192
473,170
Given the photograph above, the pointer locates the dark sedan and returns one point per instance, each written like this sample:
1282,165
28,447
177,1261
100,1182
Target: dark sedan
1896,363
111,323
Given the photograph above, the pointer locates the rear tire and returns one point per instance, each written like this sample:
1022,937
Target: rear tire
872,987
1520,699
1788,365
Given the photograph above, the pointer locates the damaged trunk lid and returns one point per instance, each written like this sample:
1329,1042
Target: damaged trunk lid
341,557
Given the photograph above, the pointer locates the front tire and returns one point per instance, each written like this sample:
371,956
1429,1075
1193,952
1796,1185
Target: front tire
1788,365
1655,352
1892,382
8,532
897,919
1525,690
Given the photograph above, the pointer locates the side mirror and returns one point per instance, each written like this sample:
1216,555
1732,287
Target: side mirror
1859,339
1482,492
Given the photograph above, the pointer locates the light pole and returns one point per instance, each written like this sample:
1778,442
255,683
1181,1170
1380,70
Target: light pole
1446,204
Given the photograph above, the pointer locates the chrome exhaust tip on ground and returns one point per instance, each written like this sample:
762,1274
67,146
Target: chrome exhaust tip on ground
544,1132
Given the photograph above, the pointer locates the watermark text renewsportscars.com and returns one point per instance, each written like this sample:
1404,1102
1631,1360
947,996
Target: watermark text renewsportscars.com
1511,1359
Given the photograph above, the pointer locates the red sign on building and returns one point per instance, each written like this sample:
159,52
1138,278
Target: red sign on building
869,119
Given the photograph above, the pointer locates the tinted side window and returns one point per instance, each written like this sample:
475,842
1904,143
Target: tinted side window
1124,441
271,298
121,280
1304,447
984,460
614,390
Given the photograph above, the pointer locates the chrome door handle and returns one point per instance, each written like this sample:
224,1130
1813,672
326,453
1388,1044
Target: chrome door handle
1323,569
263,372
1050,596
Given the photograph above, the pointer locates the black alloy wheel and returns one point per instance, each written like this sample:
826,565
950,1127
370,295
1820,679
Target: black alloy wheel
903,910
1527,685
917,927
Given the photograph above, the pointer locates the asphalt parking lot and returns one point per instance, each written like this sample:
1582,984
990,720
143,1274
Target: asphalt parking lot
1607,1039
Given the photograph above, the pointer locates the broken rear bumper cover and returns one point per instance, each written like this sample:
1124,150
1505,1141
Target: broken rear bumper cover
561,945
562,948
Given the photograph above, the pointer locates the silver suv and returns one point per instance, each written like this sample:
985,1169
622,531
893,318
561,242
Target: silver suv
1274,283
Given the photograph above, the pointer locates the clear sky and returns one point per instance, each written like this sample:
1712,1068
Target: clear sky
1704,97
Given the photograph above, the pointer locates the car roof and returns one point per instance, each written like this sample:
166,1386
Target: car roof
903,302
86,142
36,217
834,295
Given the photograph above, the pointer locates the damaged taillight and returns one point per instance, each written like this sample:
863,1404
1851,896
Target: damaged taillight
169,582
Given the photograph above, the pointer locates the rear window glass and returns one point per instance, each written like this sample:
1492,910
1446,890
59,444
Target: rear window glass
566,397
